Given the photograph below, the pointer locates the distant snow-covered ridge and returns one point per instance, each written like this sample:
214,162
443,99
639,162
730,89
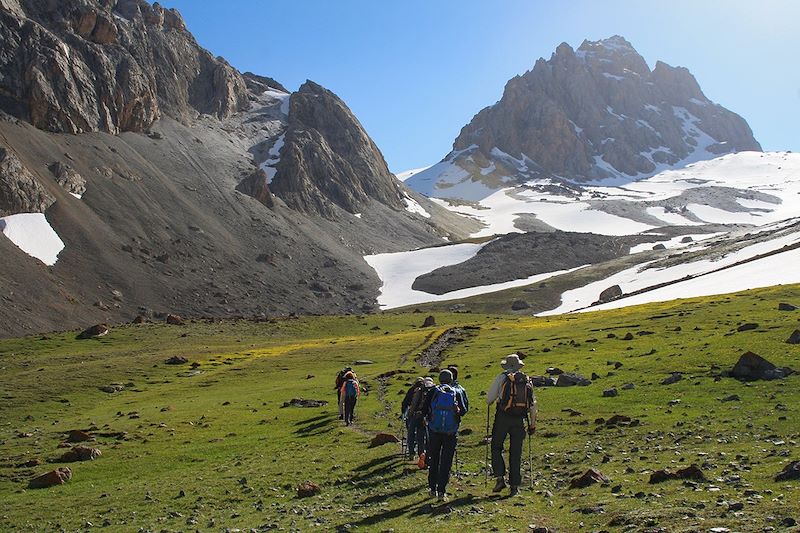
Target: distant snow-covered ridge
743,188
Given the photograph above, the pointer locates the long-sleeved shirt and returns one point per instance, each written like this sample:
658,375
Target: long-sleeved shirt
409,396
493,394
461,391
344,387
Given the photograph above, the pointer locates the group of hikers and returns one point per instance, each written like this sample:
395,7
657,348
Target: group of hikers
432,414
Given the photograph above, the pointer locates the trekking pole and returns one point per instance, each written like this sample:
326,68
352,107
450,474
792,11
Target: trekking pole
457,473
403,440
530,462
486,448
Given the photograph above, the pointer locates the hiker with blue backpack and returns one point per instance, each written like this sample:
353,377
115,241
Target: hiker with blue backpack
459,389
412,402
349,394
444,407
516,403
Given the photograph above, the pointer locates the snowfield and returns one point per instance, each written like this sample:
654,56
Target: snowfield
33,234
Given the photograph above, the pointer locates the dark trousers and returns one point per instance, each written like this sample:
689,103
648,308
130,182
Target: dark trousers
439,456
417,434
513,426
349,407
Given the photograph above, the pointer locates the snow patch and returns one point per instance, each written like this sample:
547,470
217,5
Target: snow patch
412,206
33,234
273,158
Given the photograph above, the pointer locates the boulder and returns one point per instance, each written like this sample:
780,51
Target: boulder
692,472
543,381
78,435
752,367
363,362
794,338
569,379
786,307
176,360
687,239
80,453
93,332
590,477
139,320
519,305
790,472
659,247
674,378
611,293
174,320
747,327
59,476
430,321
554,371
610,393
383,438
307,489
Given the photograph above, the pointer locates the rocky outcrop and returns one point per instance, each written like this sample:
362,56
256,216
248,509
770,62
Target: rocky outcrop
68,178
255,185
86,65
329,160
598,112
20,192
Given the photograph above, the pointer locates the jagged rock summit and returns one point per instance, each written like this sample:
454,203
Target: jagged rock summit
327,158
595,113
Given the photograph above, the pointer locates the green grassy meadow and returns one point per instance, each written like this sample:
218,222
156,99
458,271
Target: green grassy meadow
211,448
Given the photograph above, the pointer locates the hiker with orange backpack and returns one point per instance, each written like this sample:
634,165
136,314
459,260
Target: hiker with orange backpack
513,392
338,387
349,394
444,407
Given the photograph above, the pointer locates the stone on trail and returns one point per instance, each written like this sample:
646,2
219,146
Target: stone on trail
93,332
790,472
300,402
794,338
80,453
383,438
786,307
176,360
307,488
590,477
59,476
430,321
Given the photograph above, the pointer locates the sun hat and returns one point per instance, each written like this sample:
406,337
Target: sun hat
445,377
512,362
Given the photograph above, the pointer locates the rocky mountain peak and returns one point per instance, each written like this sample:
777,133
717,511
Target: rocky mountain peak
600,112
108,65
328,159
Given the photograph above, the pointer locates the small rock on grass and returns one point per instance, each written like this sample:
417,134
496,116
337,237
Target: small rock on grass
383,438
80,453
308,488
790,472
590,477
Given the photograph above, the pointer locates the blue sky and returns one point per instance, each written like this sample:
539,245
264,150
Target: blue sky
415,71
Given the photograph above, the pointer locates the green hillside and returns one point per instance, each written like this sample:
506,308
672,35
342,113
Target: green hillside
209,447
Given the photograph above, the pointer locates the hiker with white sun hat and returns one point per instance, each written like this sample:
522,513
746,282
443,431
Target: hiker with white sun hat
516,403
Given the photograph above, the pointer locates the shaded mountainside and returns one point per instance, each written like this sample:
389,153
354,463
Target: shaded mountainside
163,200
593,113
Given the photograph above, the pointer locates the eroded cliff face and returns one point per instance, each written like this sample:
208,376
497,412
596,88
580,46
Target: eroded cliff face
328,159
601,112
110,66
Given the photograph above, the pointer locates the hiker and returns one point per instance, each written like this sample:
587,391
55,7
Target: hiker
338,387
445,408
419,411
415,395
457,386
349,394
515,403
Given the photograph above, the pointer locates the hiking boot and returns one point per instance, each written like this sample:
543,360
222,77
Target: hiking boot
500,485
514,491
431,493
442,497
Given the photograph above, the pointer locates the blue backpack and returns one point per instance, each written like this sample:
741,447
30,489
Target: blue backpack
444,416
350,390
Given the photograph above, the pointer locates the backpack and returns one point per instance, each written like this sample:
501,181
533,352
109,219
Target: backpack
350,388
444,415
515,394
417,400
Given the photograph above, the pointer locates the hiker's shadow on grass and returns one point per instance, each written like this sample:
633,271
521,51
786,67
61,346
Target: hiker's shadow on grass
388,496
313,419
386,515
316,426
